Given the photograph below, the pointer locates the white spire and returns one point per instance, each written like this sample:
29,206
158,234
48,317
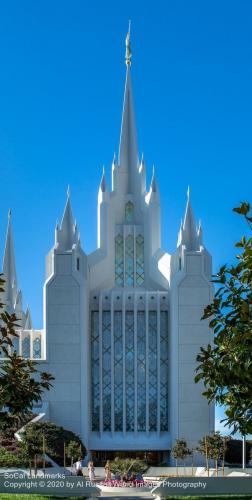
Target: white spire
154,186
189,231
103,181
67,235
28,320
128,150
9,267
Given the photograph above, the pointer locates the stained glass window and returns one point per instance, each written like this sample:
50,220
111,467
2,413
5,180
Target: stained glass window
129,212
141,371
129,361
37,348
15,345
119,271
139,260
152,370
164,371
106,364
129,260
26,347
95,365
118,371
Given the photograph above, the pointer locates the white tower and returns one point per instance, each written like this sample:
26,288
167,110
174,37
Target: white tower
191,290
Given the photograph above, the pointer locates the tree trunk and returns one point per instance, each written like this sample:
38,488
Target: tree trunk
216,468
30,467
206,452
35,464
177,467
71,465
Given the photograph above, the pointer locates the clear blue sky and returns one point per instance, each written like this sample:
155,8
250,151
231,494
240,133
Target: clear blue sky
61,90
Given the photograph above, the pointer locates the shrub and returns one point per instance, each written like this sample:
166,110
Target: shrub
55,437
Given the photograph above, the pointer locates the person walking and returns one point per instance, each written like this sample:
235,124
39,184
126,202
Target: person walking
107,471
78,467
91,471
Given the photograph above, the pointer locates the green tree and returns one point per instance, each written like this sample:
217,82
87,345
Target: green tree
204,449
226,366
55,437
21,384
180,451
125,466
31,445
216,450
73,451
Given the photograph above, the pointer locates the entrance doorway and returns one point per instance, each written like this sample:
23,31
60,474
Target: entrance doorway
151,457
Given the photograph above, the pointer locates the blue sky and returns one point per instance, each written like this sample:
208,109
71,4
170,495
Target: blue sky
61,90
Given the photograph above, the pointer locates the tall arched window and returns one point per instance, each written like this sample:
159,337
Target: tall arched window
119,260
37,348
26,347
129,260
139,260
129,212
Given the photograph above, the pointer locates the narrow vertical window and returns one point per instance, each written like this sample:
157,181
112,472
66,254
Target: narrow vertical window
37,348
129,260
78,263
129,354
119,260
26,347
152,370
141,371
95,367
15,347
164,371
129,212
118,371
139,260
106,364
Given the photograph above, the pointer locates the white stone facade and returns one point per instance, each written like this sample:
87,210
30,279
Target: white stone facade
122,326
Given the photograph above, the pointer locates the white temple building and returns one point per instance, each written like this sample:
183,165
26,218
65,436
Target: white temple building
122,326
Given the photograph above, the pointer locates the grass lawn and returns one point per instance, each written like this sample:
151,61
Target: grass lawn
10,496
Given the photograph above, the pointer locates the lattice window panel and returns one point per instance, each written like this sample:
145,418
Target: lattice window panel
26,347
164,371
152,370
118,371
106,365
141,371
37,348
129,260
139,260
129,348
119,260
95,369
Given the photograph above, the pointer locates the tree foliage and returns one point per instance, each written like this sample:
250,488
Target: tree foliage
73,451
180,450
21,384
19,389
55,437
125,467
226,365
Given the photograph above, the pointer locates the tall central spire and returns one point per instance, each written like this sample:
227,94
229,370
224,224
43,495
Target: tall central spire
9,267
128,150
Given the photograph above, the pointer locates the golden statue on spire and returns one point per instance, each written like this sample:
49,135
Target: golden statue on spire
128,53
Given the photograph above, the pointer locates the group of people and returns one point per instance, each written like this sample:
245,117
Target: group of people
91,469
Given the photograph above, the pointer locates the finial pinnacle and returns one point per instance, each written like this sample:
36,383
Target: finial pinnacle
9,214
68,191
128,53
188,192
